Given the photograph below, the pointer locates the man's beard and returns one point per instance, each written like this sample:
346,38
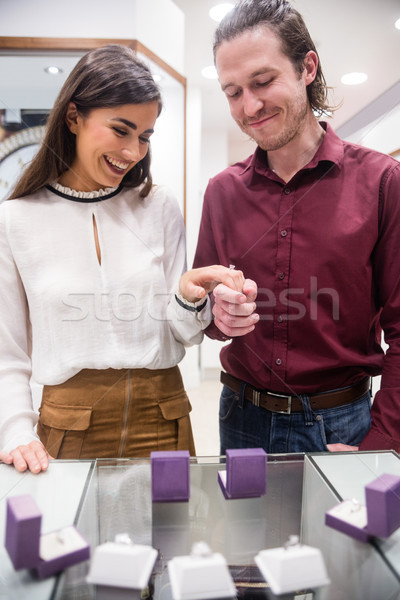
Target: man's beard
293,125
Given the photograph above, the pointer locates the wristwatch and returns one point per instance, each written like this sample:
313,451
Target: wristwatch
15,152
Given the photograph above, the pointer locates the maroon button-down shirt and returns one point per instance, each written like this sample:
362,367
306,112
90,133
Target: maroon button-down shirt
324,251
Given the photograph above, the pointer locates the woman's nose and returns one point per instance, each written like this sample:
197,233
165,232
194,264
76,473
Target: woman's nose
132,152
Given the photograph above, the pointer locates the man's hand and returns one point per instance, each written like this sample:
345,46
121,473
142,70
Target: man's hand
341,448
196,283
32,456
234,310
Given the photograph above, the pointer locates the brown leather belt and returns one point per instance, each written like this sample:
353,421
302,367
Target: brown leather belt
282,403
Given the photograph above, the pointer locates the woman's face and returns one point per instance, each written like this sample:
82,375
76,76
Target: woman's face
109,142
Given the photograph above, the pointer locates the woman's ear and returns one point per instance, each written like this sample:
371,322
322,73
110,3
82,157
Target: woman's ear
72,117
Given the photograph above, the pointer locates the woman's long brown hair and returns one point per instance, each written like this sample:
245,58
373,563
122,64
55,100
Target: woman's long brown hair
103,78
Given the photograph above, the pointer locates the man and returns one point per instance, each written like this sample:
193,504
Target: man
314,223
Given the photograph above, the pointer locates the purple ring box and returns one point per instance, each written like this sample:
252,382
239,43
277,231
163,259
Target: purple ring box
170,479
46,568
245,473
383,505
24,543
358,533
23,523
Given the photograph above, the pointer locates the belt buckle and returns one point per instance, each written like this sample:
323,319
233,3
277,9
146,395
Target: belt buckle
256,398
289,401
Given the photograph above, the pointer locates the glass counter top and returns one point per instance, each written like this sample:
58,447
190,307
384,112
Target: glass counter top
104,498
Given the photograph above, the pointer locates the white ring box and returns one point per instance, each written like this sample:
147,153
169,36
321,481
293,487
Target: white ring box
201,575
122,564
292,567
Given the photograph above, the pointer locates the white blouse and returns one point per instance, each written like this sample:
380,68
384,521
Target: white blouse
67,304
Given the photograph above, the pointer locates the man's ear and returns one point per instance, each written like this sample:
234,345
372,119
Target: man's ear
310,66
72,117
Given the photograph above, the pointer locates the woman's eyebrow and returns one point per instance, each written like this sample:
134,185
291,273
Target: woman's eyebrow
130,124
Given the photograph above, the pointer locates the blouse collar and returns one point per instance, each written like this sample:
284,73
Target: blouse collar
94,196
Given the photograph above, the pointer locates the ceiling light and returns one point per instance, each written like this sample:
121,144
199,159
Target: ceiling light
53,70
354,78
397,24
218,11
210,72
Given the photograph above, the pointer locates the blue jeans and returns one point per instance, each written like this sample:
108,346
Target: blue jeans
243,425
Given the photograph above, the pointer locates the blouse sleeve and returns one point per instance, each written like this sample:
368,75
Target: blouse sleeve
185,319
17,417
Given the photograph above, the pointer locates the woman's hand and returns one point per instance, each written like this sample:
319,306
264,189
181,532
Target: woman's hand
32,456
196,283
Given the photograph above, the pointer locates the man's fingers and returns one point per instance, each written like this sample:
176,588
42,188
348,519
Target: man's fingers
250,290
233,331
341,448
235,310
224,293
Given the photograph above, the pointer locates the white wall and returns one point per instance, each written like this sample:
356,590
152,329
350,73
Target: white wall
383,134
153,22
190,366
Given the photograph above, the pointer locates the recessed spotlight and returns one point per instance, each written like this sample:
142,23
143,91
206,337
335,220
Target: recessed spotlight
354,78
218,11
397,24
210,72
53,70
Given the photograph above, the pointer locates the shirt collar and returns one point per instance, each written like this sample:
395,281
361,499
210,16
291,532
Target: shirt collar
331,150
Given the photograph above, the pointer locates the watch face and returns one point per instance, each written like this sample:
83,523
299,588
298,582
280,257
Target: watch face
16,152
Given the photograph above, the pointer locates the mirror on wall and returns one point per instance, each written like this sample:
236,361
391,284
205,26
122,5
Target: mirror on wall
32,71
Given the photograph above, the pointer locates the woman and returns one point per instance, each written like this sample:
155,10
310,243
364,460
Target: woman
91,254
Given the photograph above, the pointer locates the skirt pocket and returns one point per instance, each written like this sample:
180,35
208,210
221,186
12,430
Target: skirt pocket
178,409
62,428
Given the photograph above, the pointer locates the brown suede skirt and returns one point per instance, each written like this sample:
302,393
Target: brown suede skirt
116,413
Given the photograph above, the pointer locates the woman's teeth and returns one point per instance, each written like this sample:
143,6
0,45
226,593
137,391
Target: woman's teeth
117,163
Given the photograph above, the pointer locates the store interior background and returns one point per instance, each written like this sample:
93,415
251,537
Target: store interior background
350,36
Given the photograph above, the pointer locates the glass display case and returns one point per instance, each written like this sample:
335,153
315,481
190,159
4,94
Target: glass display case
105,498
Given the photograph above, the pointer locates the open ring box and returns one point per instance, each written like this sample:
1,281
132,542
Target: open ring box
47,553
380,516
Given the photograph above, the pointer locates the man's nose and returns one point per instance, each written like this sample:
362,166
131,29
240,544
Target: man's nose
252,104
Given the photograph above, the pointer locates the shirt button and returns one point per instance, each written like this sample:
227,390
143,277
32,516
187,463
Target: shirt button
280,319
283,233
287,191
278,361
281,275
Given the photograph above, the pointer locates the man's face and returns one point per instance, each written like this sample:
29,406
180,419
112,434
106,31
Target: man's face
267,97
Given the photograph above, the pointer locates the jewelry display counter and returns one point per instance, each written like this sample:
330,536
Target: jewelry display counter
105,499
